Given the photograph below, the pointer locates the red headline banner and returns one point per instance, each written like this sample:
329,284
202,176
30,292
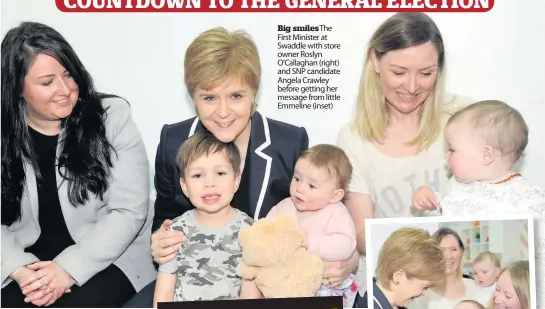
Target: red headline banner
195,6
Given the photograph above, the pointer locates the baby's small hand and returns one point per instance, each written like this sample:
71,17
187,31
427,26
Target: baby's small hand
424,198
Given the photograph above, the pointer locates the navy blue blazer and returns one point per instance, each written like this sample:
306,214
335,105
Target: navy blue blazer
379,299
273,150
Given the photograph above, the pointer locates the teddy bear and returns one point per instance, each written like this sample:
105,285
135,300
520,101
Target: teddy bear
272,256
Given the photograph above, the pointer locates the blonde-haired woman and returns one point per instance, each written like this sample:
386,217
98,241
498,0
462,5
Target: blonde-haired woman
409,262
395,139
222,75
513,287
456,288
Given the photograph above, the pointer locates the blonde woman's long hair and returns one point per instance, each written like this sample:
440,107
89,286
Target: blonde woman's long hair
402,30
519,272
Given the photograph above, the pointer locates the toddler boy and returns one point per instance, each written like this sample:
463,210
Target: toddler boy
205,266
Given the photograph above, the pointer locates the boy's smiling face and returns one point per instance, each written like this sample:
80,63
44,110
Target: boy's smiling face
210,182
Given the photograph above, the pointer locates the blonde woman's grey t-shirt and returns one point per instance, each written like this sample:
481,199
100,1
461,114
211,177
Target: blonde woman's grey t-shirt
206,264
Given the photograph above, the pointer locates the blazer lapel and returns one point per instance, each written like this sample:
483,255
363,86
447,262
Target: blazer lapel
196,126
259,162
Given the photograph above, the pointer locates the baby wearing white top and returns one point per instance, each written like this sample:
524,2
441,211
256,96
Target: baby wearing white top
486,268
485,140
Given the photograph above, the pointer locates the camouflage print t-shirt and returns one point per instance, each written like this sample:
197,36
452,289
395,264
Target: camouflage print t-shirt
205,266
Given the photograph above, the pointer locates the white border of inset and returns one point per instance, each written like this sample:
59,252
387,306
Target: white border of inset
412,220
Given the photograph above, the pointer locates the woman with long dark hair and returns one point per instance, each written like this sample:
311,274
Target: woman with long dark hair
76,219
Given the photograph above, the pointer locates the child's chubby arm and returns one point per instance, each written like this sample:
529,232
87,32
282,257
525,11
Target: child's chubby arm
281,208
165,287
338,240
273,212
249,290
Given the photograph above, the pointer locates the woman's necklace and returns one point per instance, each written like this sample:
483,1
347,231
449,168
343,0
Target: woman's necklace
508,178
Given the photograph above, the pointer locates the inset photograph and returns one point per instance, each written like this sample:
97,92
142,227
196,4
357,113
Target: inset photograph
454,263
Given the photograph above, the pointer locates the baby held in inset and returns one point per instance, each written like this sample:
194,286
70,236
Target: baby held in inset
486,268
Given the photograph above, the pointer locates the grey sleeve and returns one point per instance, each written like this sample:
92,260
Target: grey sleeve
169,267
13,254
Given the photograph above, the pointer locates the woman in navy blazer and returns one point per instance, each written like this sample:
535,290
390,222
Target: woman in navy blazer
409,262
222,75
272,150
76,219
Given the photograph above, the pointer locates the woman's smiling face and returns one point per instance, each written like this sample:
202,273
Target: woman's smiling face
453,254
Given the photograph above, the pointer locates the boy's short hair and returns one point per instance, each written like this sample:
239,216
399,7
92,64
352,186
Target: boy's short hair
333,159
501,125
487,255
413,251
474,302
204,144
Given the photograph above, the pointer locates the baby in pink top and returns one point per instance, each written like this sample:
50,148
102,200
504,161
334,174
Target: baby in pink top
321,176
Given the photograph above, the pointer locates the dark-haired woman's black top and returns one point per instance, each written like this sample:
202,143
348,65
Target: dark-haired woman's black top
54,235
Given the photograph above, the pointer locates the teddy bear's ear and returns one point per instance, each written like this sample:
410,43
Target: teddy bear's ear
246,272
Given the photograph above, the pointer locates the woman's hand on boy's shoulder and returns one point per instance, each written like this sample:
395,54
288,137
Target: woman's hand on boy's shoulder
165,243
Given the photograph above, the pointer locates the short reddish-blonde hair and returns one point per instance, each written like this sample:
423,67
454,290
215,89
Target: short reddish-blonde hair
413,251
218,55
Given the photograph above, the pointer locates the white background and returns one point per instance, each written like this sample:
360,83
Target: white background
495,55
